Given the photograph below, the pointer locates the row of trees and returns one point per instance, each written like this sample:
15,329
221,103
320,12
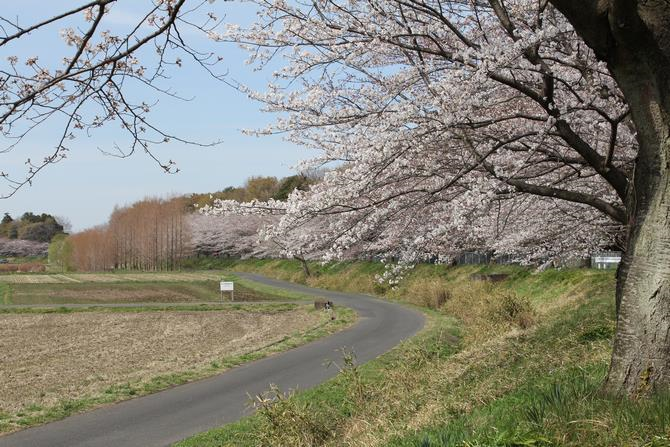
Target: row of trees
151,234
157,234
30,227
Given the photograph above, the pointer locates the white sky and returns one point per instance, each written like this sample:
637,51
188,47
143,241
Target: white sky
87,185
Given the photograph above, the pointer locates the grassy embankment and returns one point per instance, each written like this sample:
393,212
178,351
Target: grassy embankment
35,403
520,362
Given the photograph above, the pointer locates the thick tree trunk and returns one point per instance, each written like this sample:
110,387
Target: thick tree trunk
633,38
640,63
641,355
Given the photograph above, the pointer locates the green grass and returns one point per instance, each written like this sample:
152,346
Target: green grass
264,289
554,395
361,276
565,409
27,259
207,263
500,383
5,293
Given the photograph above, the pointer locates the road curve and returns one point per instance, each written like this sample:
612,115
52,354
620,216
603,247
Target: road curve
168,416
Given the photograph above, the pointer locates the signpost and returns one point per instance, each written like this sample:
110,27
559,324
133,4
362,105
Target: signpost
228,286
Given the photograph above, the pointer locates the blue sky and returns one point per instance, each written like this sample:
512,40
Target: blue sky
87,185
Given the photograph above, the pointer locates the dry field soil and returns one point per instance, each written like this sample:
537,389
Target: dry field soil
48,358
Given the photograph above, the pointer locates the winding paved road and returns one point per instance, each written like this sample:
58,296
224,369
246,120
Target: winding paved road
166,417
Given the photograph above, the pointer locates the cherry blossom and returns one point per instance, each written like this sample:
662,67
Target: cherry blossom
467,128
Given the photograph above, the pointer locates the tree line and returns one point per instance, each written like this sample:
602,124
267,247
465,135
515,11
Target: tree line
158,234
150,235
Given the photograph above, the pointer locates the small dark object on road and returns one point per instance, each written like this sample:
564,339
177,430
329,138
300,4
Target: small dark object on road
323,304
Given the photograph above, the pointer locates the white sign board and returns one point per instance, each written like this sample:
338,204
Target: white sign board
607,259
227,286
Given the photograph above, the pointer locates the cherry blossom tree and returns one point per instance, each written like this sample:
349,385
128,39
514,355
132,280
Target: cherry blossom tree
22,248
536,126
233,235
478,145
633,39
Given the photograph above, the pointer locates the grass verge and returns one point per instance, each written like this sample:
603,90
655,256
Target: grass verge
526,369
5,293
313,417
264,289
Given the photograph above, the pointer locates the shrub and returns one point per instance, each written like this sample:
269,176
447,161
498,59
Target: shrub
512,308
485,309
60,253
432,294
39,231
288,421
350,372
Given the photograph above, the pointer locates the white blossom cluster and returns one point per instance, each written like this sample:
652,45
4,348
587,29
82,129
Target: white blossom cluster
22,248
233,236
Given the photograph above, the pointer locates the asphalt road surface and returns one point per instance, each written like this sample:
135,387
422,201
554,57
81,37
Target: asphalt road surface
166,417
